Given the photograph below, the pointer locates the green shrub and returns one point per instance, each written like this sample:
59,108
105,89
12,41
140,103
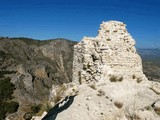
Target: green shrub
11,107
6,89
3,54
149,108
7,108
2,73
28,116
36,108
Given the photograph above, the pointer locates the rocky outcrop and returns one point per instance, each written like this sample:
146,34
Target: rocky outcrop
112,86
35,67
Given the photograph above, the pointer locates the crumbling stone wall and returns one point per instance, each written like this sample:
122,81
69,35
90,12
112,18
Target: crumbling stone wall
111,53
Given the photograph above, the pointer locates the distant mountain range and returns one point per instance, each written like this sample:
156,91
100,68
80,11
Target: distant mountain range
149,54
149,51
151,62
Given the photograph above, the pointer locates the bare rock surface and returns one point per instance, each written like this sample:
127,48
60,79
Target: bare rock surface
111,53
108,72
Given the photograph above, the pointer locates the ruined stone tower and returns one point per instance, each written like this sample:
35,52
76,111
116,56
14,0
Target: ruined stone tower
111,53
110,84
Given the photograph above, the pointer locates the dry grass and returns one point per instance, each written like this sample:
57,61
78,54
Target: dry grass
93,86
149,108
131,112
113,79
59,93
120,79
116,79
157,110
118,104
101,93
133,76
133,117
154,90
139,80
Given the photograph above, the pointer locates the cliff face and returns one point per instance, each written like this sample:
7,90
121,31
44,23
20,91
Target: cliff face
108,72
35,66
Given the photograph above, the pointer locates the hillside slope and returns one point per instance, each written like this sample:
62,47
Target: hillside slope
34,66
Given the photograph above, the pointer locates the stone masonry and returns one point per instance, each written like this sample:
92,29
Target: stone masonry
111,53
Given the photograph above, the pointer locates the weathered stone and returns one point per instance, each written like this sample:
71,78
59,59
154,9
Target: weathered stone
20,69
113,48
110,63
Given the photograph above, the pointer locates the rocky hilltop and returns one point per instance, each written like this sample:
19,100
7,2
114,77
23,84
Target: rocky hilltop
108,72
111,53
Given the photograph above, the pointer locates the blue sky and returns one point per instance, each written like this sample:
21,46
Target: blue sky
73,19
